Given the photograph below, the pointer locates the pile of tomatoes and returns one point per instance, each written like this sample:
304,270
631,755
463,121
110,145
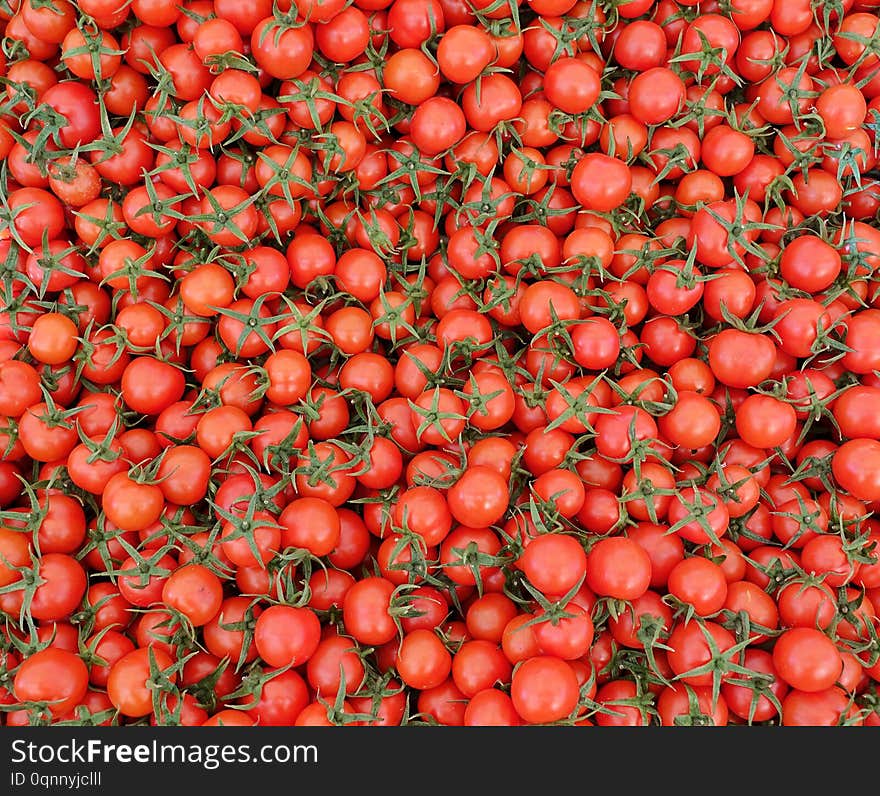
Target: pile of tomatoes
439,361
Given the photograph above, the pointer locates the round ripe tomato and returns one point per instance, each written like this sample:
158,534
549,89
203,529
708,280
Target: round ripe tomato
544,690
864,353
184,474
345,37
53,338
757,176
361,274
487,616
423,510
571,85
385,465
690,650
44,435
490,708
400,558
621,706
808,263
353,541
144,579
15,552
853,411
554,563
826,708
410,76
700,583
618,567
664,550
568,637
641,619
562,489
110,647
743,596
640,46
492,400
223,641
195,592
518,641
230,217
215,37
752,701
232,718
51,675
411,23
850,40
618,431
389,711
150,385
498,100
665,341
79,105
19,387
665,293
445,703
788,90
62,527
691,707
330,474
328,588
62,582
207,288
131,505
423,661
282,699
545,449
97,57
286,635
693,375
826,554
692,423
464,52
336,657
437,125
542,300
600,183
480,496
35,212
854,465
65,258
741,359
368,373
217,428
698,515
366,611
765,422
709,234
310,523
595,343
458,565
478,665
130,682
601,510
739,488
656,95
798,323
49,23
726,151
284,53
817,192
